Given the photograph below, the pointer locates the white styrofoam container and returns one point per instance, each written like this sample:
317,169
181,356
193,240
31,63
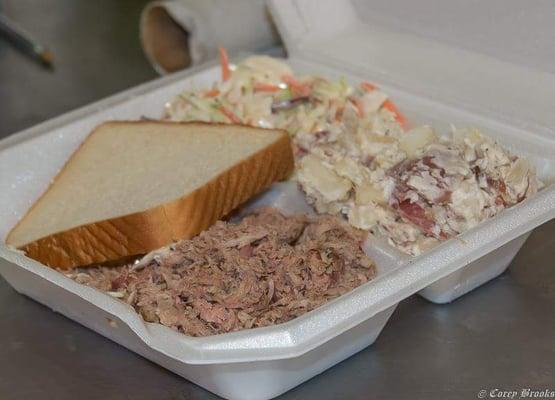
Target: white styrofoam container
264,362
332,32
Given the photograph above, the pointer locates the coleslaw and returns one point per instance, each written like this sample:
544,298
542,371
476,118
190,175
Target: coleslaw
356,158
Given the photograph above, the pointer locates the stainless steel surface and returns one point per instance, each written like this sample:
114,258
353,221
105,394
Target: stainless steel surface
501,336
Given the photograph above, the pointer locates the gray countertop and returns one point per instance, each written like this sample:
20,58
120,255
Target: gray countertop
501,336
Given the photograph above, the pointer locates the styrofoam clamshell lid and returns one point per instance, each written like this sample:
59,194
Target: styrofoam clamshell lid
384,41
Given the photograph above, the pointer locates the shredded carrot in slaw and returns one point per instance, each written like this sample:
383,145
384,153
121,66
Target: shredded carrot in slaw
211,93
400,118
388,105
229,114
265,87
368,86
297,88
224,62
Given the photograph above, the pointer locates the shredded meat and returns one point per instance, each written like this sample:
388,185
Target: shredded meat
417,215
266,269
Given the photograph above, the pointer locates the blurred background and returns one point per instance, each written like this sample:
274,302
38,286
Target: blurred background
96,50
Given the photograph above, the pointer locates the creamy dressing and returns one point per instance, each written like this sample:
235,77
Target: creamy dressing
354,157
445,188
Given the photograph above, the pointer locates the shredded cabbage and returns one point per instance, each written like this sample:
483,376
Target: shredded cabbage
262,91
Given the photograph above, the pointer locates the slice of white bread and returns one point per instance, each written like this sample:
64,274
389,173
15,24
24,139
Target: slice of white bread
132,187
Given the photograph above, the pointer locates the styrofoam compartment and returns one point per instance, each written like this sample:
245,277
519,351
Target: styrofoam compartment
264,362
485,91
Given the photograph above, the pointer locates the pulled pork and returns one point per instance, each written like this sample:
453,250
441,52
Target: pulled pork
266,269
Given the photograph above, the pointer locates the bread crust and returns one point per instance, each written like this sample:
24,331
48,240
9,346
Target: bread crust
183,218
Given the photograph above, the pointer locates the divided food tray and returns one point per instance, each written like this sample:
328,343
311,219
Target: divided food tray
264,362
